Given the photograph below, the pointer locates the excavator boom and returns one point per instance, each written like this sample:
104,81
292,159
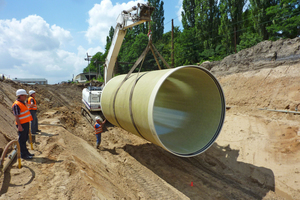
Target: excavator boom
127,19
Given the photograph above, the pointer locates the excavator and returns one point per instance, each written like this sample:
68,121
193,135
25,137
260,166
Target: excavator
180,109
127,19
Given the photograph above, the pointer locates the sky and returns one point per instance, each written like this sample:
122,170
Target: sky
50,38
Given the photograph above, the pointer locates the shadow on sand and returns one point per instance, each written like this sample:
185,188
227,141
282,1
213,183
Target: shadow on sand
214,174
7,175
112,151
7,178
44,160
33,136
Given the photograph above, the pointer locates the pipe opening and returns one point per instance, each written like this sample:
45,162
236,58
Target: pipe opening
189,111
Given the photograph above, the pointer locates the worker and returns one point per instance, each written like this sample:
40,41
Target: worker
98,129
33,108
22,117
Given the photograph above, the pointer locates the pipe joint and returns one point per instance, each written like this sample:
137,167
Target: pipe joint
180,109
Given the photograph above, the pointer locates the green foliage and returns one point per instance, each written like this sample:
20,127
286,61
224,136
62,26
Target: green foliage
207,19
157,23
224,29
231,23
260,18
187,48
96,63
188,14
100,79
211,30
249,39
109,39
213,54
285,19
135,48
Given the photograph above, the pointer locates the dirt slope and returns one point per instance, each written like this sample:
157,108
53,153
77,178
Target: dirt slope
256,156
264,138
259,56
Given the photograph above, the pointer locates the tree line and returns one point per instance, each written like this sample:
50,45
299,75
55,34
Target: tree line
212,30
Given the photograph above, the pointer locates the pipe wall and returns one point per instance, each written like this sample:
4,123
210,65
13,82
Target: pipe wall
180,109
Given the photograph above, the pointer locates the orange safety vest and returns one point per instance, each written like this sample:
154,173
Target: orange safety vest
34,105
98,130
25,115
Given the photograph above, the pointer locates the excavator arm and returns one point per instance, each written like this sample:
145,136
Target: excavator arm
127,19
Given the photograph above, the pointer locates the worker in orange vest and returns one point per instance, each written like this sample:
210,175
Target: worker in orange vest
33,109
98,129
22,117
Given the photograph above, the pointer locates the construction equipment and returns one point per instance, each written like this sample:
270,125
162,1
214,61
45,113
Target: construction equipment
91,100
127,19
179,109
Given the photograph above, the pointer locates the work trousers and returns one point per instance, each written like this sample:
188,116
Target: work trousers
34,122
23,137
98,136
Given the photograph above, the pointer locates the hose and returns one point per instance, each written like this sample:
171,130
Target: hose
18,151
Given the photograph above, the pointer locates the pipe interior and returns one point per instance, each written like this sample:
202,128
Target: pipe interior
189,111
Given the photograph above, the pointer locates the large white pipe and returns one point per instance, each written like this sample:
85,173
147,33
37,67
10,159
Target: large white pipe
180,109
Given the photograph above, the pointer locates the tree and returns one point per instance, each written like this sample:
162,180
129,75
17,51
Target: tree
187,48
231,22
132,54
224,29
109,39
249,39
96,60
285,19
157,23
207,19
260,18
165,44
100,57
188,14
141,28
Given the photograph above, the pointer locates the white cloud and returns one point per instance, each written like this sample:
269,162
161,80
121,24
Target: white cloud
104,15
31,48
180,9
62,35
31,32
53,68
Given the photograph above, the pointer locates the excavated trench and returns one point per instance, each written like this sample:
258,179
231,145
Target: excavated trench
255,157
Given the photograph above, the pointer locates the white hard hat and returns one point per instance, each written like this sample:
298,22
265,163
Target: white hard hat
21,92
31,92
98,118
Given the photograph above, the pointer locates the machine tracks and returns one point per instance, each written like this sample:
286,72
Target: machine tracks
216,180
90,116
153,189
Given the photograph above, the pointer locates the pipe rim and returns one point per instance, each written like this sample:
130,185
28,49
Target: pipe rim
152,102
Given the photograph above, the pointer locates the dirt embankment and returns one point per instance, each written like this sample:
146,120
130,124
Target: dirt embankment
267,54
257,155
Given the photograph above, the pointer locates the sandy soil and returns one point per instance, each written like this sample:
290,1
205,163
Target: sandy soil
257,155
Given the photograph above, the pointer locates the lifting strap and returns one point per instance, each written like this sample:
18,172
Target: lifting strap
139,60
142,57
160,56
